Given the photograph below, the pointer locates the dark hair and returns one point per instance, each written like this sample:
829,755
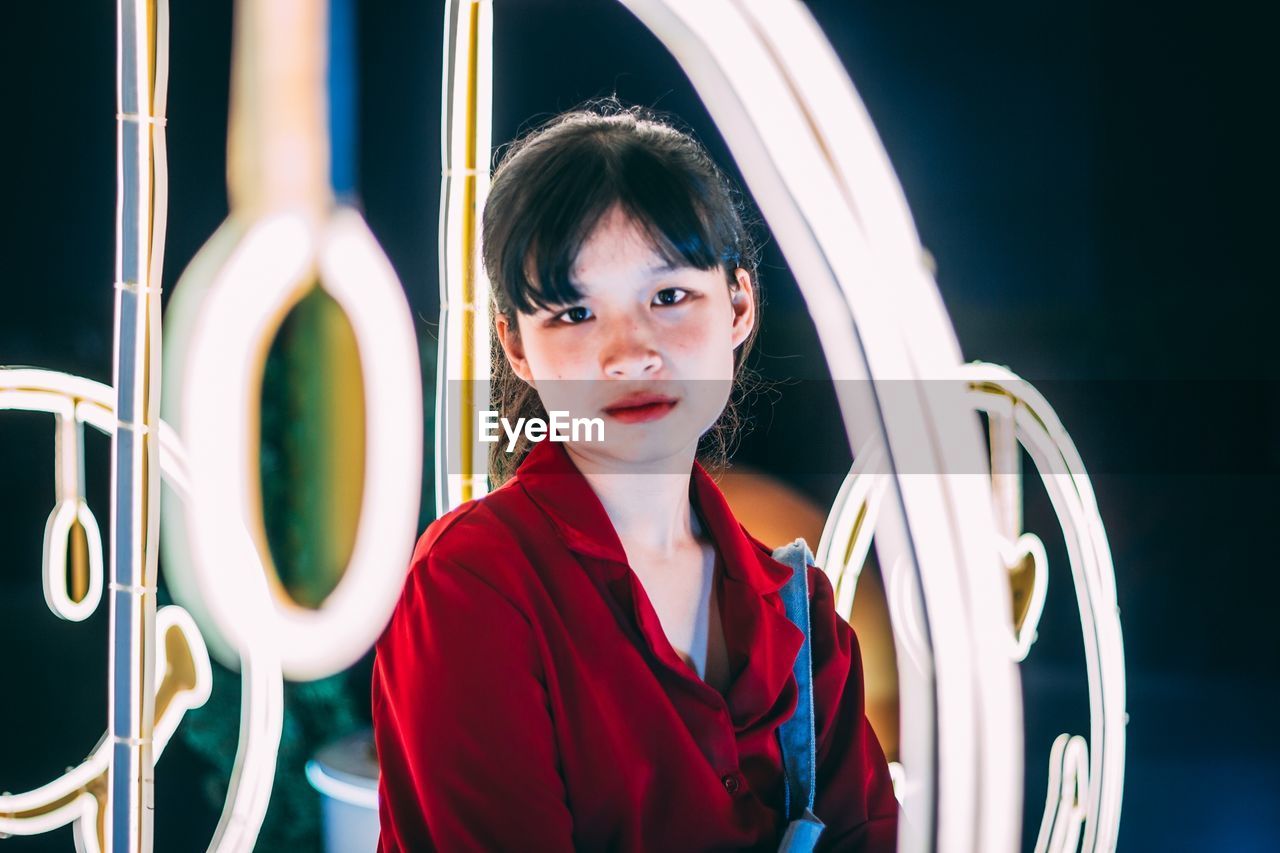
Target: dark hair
550,190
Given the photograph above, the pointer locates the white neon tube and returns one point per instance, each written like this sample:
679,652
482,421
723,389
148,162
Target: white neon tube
79,795
879,319
1070,491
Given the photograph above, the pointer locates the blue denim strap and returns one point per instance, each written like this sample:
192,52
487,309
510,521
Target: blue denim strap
796,734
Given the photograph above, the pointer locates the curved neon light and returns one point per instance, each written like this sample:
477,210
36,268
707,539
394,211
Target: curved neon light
262,704
1021,417
57,531
1064,809
810,156
284,237
463,362
69,511
1070,491
183,681
217,342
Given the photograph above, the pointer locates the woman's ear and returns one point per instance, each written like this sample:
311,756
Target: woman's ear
743,302
509,337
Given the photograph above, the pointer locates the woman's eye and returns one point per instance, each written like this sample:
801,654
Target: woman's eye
573,316
672,296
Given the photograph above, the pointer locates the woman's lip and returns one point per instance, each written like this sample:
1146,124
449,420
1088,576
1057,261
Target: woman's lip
636,400
640,414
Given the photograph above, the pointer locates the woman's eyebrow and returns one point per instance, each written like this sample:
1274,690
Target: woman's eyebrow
661,268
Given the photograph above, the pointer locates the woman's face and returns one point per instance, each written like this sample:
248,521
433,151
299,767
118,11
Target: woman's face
640,328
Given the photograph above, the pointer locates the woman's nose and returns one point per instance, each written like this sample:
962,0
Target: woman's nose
630,353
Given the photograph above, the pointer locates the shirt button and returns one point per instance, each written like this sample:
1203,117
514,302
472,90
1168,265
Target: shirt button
730,781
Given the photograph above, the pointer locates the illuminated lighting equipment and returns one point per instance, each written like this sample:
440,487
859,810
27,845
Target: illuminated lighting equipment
1029,576
36,390
217,380
182,676
1085,789
79,797
1094,768
852,524
142,73
285,236
811,159
64,555
463,362
895,775
1064,809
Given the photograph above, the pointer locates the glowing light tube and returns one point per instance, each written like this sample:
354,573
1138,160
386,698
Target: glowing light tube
811,158
61,557
1021,417
218,346
142,73
463,364
1070,490
284,237
79,797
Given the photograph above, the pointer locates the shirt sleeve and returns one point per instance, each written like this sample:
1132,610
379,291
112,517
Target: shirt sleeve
855,794
462,723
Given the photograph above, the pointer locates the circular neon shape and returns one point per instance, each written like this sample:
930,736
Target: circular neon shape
183,678
221,327
1097,768
73,401
82,790
57,531
1085,786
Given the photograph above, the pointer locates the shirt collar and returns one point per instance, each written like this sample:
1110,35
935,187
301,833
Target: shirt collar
550,478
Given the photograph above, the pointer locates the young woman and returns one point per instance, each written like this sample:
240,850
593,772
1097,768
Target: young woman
595,655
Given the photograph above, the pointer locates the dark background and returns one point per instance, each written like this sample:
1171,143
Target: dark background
1094,180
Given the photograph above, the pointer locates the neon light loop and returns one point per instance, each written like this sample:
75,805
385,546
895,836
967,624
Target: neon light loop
284,237
1101,781
71,510
1085,788
183,677
218,334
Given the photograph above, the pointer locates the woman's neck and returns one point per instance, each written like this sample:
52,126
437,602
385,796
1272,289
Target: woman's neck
648,506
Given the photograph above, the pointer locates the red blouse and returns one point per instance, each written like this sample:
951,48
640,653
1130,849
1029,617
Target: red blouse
525,696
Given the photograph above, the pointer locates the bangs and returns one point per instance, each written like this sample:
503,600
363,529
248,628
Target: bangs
560,189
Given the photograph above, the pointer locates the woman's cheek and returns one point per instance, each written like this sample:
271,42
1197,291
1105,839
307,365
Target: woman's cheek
553,357
705,353
566,374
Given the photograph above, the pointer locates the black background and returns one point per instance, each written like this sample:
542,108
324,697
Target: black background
1096,182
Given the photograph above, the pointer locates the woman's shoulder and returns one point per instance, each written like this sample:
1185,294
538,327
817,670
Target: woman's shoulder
469,588
486,536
